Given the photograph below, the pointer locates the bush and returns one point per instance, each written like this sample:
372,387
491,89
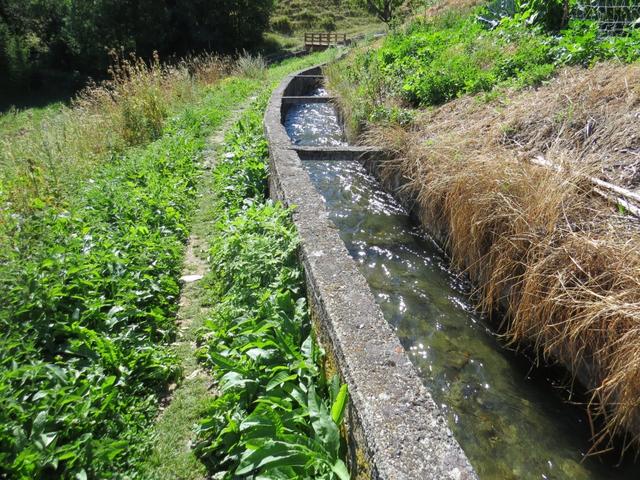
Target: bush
328,24
436,64
433,63
282,25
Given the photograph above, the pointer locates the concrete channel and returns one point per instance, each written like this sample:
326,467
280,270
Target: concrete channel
394,429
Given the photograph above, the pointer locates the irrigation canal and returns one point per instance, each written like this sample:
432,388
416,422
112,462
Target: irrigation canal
510,418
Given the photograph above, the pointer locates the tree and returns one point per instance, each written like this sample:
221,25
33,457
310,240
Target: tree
383,9
219,25
76,35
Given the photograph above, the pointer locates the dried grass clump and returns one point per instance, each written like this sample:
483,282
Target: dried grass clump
251,66
590,117
540,242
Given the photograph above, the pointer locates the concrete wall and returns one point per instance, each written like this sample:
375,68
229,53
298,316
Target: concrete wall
394,430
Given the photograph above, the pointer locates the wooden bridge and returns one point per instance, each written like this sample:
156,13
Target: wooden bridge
324,40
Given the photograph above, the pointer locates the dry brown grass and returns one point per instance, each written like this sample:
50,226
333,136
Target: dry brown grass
564,262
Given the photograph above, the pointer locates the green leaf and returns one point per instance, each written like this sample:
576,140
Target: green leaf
271,455
279,379
326,431
340,469
339,405
232,380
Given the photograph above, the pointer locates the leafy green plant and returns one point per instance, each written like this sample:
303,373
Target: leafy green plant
431,63
435,64
275,416
90,293
552,14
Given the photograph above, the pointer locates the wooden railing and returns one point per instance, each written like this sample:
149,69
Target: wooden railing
324,39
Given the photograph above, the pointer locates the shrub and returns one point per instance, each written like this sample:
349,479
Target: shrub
435,64
328,24
282,25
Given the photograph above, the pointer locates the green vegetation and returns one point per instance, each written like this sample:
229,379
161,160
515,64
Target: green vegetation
38,36
432,62
385,10
275,416
90,293
91,245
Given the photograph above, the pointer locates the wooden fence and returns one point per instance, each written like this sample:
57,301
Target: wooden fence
314,41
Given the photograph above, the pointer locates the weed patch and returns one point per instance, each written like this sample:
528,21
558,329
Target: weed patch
276,415
90,295
432,62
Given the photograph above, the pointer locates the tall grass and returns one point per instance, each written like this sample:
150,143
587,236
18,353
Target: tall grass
46,162
251,66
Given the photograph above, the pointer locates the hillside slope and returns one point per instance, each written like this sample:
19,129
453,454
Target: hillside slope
292,18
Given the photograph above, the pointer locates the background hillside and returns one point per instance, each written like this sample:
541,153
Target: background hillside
291,18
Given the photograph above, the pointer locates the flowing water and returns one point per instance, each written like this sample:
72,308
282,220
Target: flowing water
321,127
510,419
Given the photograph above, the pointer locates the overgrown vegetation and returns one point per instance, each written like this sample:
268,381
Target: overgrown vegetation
91,250
434,61
74,36
90,291
46,159
276,416
541,243
89,271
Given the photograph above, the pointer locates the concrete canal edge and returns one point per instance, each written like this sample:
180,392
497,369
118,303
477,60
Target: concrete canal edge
394,429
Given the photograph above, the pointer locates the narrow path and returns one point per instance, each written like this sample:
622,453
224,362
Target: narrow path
172,456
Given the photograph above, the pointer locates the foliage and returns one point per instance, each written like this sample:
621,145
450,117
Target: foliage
90,288
434,64
271,418
383,9
70,35
430,63
89,298
282,24
89,282
48,157
552,14
328,23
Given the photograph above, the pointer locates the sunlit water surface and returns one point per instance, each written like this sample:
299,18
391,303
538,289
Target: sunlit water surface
511,420
320,126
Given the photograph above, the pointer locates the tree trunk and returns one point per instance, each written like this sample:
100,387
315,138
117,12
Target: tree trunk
565,13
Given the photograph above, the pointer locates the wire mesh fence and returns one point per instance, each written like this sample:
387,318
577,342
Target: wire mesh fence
613,16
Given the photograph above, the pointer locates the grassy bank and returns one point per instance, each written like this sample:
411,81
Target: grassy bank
462,109
96,207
